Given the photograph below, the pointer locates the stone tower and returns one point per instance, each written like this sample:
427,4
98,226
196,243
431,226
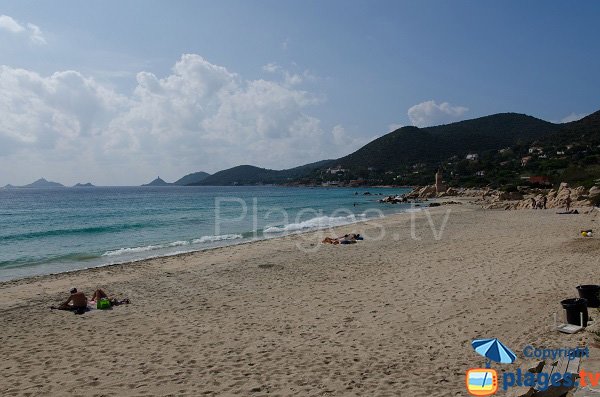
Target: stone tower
439,186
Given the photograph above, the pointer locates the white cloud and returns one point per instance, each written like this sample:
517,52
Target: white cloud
289,78
271,68
34,33
199,117
9,24
48,112
429,113
572,117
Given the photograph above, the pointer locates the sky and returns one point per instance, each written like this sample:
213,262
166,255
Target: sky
119,92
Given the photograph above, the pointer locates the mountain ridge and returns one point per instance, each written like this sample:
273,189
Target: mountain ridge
439,142
402,147
252,175
189,179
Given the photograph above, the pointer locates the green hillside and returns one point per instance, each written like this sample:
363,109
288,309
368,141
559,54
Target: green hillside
251,175
409,145
509,148
192,178
568,153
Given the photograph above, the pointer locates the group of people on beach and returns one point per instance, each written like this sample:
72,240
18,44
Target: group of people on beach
78,302
539,205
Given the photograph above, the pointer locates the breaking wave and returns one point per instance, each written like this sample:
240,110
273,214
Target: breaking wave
201,240
320,222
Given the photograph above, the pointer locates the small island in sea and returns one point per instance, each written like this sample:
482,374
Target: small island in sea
40,183
158,182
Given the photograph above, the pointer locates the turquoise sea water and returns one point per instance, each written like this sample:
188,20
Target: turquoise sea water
54,230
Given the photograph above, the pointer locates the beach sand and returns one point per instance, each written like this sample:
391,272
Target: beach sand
390,316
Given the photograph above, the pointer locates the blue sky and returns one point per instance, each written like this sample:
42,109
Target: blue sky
93,88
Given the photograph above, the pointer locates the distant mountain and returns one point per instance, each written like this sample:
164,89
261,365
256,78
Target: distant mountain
510,147
158,182
409,145
240,175
84,185
193,178
583,131
43,183
9,186
251,175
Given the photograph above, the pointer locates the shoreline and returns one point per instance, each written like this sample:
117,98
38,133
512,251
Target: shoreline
225,245
384,316
59,248
182,255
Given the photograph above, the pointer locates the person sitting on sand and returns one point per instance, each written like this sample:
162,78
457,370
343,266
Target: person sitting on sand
77,302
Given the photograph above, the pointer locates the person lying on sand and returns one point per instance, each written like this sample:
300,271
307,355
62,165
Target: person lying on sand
77,302
100,294
570,212
345,239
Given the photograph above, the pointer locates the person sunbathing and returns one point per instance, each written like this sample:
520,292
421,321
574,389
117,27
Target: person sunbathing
345,239
100,294
77,302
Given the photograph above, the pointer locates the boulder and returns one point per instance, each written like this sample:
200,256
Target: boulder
580,193
504,196
451,192
594,195
426,192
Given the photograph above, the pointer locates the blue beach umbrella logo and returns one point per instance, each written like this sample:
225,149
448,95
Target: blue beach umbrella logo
484,382
493,350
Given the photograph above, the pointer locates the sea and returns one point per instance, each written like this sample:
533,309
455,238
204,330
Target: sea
53,230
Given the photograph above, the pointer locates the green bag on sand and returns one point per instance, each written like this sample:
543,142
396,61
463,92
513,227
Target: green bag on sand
103,304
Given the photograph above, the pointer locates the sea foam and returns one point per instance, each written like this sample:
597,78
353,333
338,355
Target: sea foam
211,239
320,222
201,240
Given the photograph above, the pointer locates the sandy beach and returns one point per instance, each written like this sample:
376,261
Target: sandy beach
389,316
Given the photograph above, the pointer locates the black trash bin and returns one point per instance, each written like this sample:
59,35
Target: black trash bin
574,307
591,293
